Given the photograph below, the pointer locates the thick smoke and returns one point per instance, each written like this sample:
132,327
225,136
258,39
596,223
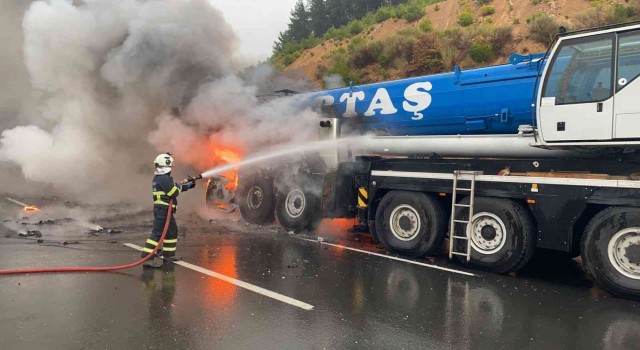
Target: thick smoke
114,82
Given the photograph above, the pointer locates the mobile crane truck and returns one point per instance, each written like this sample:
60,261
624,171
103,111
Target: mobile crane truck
540,153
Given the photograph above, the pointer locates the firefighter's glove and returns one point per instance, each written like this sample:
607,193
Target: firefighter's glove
188,185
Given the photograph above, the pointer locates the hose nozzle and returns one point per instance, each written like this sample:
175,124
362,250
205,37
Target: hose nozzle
192,178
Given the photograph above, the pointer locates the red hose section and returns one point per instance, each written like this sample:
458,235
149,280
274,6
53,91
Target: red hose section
99,269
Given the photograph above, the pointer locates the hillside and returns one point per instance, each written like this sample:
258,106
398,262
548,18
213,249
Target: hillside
397,48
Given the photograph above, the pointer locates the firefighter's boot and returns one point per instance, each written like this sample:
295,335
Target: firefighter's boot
152,264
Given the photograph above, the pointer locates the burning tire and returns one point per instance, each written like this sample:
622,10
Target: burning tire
298,208
410,223
218,195
503,236
611,251
256,199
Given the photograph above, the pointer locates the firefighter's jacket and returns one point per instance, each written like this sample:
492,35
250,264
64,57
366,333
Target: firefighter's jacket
164,188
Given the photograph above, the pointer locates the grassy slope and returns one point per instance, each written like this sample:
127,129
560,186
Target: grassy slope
508,13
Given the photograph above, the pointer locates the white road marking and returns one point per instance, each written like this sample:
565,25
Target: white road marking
393,258
245,285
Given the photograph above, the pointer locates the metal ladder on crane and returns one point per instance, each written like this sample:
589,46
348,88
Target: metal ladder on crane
470,177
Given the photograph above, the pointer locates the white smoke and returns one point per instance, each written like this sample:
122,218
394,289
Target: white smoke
114,82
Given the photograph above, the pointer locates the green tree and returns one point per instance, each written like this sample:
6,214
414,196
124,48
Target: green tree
299,22
319,17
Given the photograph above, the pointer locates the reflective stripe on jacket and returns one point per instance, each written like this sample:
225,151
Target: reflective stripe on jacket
164,188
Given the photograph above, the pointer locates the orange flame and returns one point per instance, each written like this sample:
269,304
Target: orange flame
31,208
226,154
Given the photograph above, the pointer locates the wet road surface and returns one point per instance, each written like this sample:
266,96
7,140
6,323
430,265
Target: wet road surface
358,300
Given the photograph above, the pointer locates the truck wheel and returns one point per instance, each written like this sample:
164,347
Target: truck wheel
503,236
410,223
373,231
298,209
611,251
256,199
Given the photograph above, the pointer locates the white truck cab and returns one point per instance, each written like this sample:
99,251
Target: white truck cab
590,94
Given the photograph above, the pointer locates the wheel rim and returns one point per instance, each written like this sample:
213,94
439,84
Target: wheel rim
624,252
295,203
254,198
488,233
405,222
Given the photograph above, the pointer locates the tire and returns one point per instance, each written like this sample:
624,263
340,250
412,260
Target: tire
373,231
503,235
217,196
298,208
611,251
410,223
256,199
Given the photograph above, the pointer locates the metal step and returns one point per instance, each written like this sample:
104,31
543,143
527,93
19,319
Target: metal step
460,254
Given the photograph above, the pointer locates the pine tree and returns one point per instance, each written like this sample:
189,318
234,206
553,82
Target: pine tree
319,17
299,23
336,10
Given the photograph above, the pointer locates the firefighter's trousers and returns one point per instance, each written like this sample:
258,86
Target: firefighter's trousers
171,239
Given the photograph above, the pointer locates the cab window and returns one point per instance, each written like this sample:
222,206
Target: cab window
582,71
628,59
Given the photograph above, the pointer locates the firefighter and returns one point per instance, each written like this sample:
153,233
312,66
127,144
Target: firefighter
163,189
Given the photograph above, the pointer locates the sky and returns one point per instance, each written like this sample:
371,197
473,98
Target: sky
257,23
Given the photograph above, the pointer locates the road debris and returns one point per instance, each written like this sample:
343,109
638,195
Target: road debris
30,233
99,229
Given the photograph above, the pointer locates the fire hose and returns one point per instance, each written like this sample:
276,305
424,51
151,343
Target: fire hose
103,268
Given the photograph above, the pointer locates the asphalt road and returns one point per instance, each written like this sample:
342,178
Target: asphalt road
247,287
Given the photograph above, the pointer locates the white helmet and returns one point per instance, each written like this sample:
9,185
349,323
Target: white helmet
163,160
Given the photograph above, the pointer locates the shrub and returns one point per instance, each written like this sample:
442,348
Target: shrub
465,19
410,31
501,38
426,26
591,18
481,52
340,66
367,54
487,10
336,33
410,12
455,37
426,57
483,2
355,27
436,8
355,44
309,42
619,14
536,2
383,73
516,21
397,47
384,13
288,59
543,28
